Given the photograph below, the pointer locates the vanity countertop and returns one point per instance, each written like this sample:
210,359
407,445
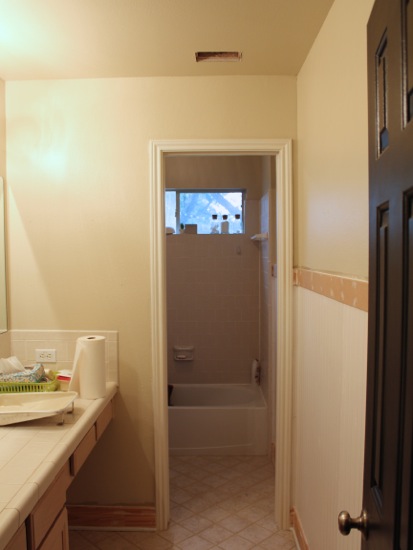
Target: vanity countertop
31,455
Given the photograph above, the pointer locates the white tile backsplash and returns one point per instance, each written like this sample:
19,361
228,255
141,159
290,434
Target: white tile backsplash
23,344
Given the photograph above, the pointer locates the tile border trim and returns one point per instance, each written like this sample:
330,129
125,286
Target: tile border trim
348,290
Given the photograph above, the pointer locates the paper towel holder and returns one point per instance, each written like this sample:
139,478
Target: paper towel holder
183,353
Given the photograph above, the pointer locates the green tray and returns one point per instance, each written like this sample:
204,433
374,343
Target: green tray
25,387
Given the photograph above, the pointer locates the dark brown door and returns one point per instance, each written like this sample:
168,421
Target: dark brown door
387,496
388,467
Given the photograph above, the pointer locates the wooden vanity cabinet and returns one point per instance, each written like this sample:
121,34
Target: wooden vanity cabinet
19,541
87,444
50,506
58,536
82,451
47,526
104,420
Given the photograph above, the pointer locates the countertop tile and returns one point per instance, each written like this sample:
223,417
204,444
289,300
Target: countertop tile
7,492
24,500
44,474
31,455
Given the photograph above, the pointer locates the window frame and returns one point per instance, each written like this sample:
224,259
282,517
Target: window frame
179,191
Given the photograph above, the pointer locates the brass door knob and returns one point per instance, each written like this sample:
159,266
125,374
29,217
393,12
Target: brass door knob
346,523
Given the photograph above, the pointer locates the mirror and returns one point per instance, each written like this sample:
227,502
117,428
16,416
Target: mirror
3,292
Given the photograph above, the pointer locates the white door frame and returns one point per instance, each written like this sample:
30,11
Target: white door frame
282,149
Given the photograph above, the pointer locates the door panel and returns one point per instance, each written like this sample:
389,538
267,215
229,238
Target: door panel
406,465
389,418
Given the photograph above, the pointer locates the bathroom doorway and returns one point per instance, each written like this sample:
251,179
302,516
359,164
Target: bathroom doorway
276,155
220,279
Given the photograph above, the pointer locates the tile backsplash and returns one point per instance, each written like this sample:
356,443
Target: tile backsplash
23,344
213,305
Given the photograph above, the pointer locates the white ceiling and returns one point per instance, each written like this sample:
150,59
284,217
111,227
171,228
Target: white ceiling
43,39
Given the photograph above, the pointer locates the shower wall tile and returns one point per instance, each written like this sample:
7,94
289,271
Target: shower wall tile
213,303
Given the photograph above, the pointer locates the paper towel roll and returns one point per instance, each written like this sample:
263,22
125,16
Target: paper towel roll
89,372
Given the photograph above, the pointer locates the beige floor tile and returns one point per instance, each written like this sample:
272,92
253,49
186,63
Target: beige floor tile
268,522
215,513
255,533
216,534
179,513
196,543
78,542
283,540
234,523
153,541
108,541
236,543
217,503
176,533
196,523
252,513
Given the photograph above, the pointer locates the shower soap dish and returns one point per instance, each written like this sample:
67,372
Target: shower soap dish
183,353
260,237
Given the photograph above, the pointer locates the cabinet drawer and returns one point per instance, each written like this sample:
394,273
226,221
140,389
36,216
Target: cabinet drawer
58,537
48,507
104,419
82,451
18,542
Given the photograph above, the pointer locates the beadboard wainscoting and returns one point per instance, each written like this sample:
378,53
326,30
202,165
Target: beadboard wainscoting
330,356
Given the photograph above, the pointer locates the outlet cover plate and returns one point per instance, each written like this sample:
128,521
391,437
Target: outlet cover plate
45,355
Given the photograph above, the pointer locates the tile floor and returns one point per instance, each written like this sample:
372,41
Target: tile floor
217,503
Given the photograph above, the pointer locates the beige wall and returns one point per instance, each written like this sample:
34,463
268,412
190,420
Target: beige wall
330,339
78,199
221,172
5,337
332,195
2,129
78,175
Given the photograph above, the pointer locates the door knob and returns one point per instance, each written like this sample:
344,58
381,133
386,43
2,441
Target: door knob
346,523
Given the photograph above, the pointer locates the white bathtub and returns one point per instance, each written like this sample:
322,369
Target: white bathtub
217,419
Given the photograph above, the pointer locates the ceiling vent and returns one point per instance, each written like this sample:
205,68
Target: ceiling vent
218,56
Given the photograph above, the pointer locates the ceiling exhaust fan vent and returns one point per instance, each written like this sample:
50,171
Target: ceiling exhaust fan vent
218,56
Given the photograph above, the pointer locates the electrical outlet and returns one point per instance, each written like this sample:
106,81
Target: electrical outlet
45,355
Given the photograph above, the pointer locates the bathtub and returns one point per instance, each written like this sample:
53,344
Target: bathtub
217,419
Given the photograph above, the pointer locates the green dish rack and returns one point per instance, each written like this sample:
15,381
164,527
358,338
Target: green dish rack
26,387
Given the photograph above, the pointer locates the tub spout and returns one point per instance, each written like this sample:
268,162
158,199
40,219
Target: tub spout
256,372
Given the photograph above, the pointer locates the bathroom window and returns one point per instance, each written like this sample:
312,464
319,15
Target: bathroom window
196,207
